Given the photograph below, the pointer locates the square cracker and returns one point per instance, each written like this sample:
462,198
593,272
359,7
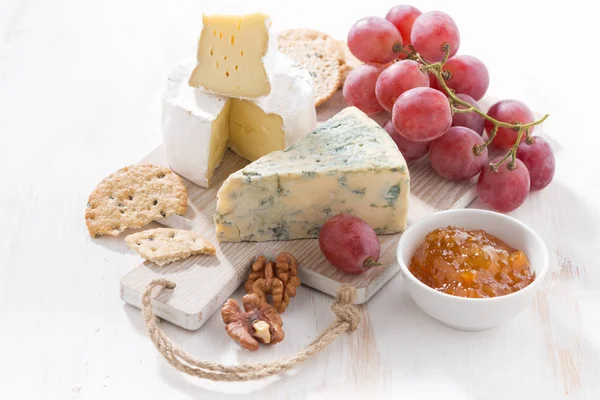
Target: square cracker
166,245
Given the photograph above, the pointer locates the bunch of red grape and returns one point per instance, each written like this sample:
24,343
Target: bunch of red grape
412,71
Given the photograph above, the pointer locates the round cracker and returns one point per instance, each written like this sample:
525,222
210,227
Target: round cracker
350,61
327,42
322,65
133,197
303,34
346,69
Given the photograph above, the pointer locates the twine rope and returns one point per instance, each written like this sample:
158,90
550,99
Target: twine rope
347,319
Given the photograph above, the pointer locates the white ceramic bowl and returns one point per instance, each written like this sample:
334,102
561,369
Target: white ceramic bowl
467,313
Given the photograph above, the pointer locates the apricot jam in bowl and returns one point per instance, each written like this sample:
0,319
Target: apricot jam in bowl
472,269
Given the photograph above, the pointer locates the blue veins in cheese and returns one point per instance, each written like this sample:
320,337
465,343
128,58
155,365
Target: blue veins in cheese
347,165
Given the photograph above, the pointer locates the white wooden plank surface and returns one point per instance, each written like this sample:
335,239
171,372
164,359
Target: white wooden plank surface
204,283
79,97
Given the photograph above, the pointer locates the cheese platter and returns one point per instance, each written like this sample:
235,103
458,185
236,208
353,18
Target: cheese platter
298,158
202,290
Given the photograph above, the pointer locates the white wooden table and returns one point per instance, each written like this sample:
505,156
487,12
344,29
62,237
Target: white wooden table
80,86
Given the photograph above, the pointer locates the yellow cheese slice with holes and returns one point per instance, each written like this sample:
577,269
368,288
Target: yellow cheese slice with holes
235,56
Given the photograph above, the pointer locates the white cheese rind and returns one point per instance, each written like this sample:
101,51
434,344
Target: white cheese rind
348,165
292,97
187,118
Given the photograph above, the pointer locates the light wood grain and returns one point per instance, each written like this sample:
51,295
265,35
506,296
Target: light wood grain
202,290
203,283
80,85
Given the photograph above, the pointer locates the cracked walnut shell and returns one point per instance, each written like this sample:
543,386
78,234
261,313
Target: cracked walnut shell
259,323
278,278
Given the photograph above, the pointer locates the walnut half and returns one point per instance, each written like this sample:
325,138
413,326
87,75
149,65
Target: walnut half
259,323
278,278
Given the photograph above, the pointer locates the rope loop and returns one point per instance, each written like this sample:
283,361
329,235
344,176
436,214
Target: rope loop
347,319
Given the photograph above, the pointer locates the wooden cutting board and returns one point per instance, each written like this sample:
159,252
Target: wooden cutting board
204,283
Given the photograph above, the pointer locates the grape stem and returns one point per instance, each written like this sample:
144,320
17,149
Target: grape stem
512,154
456,110
369,262
479,149
528,138
437,70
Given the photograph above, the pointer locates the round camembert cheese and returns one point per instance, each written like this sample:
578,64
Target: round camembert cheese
198,126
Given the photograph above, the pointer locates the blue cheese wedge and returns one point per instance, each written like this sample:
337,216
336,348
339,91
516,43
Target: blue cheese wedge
348,165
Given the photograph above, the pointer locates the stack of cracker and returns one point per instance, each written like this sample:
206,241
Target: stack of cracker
134,196
326,59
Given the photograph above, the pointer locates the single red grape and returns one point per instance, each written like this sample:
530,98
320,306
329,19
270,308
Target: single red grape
372,40
468,75
397,79
471,119
452,155
403,17
422,114
349,243
359,88
511,112
431,31
410,150
506,189
539,159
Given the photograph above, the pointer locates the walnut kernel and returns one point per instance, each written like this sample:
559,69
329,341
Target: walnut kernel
259,323
278,279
